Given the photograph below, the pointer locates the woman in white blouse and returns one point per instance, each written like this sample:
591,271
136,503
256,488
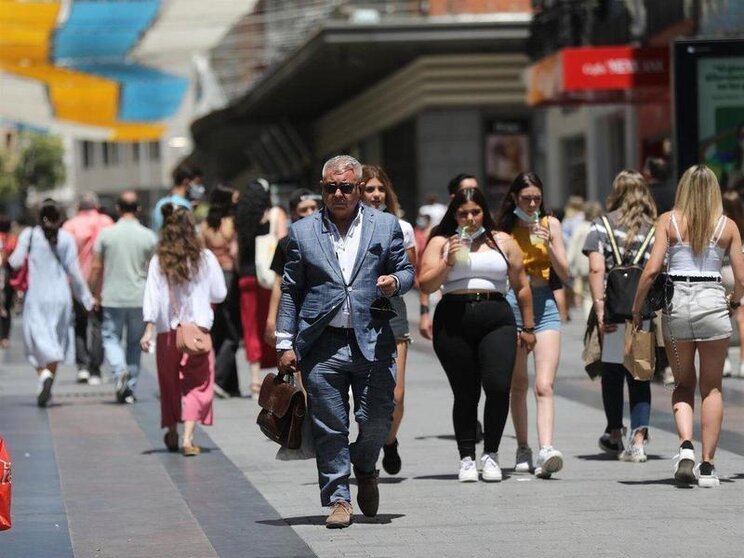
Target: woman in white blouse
183,281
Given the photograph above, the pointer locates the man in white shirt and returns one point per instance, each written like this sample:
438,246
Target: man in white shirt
332,327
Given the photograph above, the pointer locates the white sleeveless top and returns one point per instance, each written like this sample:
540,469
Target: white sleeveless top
483,272
682,261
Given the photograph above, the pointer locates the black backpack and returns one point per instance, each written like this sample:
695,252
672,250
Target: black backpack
622,280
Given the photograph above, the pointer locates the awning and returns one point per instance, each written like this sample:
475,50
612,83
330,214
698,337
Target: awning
600,75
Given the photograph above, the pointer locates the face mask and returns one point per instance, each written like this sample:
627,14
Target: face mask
524,216
196,192
473,235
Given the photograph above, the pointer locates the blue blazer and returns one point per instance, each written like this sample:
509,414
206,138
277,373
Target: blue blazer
313,287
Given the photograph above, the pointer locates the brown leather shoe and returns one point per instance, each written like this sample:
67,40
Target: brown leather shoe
340,515
368,496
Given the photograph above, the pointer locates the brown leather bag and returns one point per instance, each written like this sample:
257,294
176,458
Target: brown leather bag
282,411
192,340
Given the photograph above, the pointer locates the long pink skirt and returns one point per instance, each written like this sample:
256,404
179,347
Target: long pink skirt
186,383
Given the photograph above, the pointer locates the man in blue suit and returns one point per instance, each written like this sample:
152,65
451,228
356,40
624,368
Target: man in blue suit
339,261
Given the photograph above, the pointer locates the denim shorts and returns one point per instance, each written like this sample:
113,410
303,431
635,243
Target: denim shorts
698,312
544,309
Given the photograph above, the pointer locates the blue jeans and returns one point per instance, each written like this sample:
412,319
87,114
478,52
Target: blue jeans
334,364
614,376
114,321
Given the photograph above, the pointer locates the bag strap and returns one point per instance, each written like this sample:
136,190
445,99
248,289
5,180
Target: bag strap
644,244
611,235
174,304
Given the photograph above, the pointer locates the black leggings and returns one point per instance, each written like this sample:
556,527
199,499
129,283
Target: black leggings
476,342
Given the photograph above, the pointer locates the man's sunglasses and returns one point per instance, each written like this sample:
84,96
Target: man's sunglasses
345,187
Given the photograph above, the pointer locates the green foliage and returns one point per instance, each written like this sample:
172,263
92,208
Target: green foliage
8,183
40,163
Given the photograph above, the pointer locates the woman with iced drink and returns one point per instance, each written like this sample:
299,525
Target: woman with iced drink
541,240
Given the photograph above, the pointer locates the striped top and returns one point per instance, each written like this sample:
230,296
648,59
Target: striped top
598,240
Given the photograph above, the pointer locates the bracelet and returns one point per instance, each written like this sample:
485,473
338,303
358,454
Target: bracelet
528,329
733,304
424,309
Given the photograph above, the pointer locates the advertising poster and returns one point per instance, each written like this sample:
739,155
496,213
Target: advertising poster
720,106
507,144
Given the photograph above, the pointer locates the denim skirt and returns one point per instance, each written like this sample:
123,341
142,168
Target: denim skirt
698,312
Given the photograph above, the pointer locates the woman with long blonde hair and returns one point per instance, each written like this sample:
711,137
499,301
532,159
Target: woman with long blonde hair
183,281
695,236
631,213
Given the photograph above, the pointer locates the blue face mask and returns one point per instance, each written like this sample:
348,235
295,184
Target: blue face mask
472,235
524,216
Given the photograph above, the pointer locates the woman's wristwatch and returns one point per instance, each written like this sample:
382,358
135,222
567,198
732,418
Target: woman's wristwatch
528,329
734,304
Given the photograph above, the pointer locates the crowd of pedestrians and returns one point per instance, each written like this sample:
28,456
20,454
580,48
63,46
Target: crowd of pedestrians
317,292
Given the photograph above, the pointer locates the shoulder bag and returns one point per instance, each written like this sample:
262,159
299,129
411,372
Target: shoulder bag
19,279
190,338
282,410
265,247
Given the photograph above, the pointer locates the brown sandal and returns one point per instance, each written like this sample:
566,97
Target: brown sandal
171,441
190,451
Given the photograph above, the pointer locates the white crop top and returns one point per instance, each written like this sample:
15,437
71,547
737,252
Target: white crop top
708,263
483,272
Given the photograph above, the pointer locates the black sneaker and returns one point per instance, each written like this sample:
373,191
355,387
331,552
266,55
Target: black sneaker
391,459
45,394
122,387
605,443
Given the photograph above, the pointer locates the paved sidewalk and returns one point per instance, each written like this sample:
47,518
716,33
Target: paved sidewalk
91,478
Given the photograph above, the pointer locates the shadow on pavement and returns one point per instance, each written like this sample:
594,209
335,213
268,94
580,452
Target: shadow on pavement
380,519
668,482
610,457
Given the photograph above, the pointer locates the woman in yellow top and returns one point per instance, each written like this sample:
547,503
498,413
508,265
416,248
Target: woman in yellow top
541,240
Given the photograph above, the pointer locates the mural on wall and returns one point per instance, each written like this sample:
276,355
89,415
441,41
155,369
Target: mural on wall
103,69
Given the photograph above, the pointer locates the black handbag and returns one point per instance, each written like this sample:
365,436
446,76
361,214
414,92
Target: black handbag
661,292
622,280
282,410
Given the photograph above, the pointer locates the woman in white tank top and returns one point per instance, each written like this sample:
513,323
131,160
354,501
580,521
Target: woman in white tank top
695,236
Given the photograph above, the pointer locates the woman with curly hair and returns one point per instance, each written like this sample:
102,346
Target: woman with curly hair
47,307
183,281
254,218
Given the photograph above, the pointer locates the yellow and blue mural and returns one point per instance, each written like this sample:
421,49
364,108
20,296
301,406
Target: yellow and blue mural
74,63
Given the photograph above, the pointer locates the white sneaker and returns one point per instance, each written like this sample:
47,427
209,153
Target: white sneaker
684,466
94,380
82,376
668,376
549,461
633,454
707,476
468,470
523,462
490,469
728,370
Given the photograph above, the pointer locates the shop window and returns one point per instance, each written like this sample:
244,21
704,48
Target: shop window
154,149
135,151
110,153
574,157
88,154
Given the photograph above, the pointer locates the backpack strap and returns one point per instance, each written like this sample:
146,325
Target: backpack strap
613,242
644,245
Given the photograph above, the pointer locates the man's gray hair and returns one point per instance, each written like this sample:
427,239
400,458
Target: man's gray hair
341,163
88,200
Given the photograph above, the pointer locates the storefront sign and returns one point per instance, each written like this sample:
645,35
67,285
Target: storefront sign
596,74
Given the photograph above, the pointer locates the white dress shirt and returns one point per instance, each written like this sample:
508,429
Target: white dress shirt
194,299
346,249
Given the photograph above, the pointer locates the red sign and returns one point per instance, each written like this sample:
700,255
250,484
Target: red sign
610,68
596,74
